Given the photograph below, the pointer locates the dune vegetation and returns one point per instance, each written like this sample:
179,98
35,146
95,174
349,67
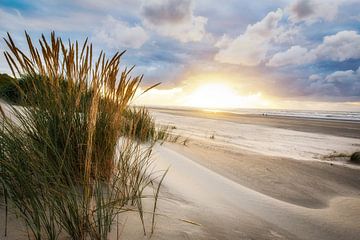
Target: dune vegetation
355,157
8,89
73,153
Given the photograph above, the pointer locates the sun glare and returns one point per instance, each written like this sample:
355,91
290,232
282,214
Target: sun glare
217,96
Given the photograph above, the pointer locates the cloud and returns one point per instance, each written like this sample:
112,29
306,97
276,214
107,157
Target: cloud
105,5
289,33
348,76
223,42
340,47
251,47
13,20
174,18
118,34
339,83
254,38
296,55
167,11
302,9
312,11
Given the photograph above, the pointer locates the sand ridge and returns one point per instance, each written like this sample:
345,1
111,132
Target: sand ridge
236,205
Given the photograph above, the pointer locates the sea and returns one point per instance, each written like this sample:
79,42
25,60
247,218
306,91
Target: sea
315,114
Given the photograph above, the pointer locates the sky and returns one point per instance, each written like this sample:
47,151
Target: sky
300,54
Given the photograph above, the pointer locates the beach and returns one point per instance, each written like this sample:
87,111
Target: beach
337,127
250,177
180,120
261,178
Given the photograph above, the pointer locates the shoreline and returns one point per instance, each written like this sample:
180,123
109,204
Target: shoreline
266,112
292,139
342,128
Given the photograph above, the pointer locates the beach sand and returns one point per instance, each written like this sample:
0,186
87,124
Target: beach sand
258,178
262,178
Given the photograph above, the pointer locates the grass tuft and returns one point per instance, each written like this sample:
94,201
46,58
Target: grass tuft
355,157
63,167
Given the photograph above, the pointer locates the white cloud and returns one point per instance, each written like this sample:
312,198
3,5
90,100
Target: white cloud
251,47
110,31
315,77
73,21
224,41
118,34
348,76
295,55
174,18
339,47
342,46
289,34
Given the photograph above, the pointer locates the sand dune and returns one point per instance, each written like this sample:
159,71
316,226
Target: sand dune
224,209
228,210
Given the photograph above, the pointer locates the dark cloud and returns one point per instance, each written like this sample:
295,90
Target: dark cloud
314,84
302,9
312,11
167,11
339,84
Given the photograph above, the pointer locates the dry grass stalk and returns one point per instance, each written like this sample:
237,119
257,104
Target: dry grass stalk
62,150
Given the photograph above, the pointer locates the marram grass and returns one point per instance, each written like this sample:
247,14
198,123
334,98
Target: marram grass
140,125
62,165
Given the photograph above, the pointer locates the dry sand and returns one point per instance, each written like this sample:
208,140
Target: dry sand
304,183
262,180
229,210
239,187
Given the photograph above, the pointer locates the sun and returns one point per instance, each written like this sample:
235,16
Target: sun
220,96
211,96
